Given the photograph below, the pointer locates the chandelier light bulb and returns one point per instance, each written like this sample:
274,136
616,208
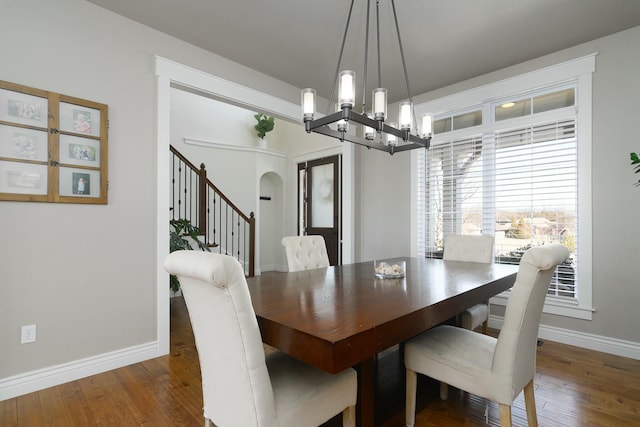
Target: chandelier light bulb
347,88
379,103
308,104
427,126
404,118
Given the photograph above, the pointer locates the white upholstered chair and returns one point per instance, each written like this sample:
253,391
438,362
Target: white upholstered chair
240,385
496,369
305,252
471,249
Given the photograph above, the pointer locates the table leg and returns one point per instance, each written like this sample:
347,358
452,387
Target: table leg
366,408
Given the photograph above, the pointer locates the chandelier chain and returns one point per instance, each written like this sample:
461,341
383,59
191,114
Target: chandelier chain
378,36
366,61
344,39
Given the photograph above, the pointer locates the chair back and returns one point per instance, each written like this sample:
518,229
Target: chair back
305,252
236,387
469,248
514,359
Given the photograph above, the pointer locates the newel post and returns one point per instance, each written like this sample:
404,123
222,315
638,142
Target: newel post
252,245
202,201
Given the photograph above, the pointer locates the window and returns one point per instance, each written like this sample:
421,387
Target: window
457,121
454,191
515,175
534,104
535,193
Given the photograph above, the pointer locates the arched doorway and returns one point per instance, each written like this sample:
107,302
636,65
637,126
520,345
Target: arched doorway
271,227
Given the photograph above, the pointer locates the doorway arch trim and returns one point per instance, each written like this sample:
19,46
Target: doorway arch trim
169,72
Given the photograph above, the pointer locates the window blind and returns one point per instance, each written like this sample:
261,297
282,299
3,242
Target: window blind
536,203
519,185
451,199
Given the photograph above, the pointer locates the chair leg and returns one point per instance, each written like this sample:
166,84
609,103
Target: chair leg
410,407
505,415
485,324
530,405
349,417
444,391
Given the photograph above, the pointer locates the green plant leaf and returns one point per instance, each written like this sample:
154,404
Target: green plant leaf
635,160
181,229
265,124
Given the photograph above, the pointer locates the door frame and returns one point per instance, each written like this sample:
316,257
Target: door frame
334,250
170,73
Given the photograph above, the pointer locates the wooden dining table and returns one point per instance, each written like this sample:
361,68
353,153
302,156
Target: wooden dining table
344,316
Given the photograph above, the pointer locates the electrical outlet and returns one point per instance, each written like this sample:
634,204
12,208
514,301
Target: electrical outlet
28,334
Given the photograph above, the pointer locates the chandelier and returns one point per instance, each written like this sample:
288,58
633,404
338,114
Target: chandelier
375,132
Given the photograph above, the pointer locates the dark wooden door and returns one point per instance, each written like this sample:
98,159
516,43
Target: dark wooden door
319,202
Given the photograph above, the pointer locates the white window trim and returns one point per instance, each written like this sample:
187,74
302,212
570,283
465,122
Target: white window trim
579,70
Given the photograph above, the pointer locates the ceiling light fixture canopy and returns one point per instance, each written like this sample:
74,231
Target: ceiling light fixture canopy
399,137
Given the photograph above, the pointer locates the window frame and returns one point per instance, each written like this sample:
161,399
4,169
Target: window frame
577,72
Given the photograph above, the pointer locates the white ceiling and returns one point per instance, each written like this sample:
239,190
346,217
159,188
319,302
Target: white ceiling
445,41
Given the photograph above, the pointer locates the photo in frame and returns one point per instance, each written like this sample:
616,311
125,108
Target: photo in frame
23,178
79,182
79,151
24,109
23,144
53,147
79,119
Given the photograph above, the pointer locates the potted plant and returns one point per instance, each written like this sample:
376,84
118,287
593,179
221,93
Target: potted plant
635,160
265,124
182,236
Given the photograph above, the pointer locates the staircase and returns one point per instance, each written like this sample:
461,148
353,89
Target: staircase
224,227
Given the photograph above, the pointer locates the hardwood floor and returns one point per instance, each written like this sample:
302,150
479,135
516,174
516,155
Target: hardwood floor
573,387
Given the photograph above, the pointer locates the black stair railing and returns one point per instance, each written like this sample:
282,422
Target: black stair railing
225,228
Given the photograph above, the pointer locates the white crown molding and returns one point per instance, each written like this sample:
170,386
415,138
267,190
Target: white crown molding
29,382
233,147
225,89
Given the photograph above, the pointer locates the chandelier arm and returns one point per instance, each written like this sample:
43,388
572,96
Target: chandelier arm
355,139
335,77
404,63
321,126
366,61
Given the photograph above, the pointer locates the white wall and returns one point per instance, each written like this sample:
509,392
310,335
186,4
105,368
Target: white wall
271,223
215,130
382,207
221,136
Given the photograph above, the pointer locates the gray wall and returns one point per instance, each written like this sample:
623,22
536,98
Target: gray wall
616,202
86,275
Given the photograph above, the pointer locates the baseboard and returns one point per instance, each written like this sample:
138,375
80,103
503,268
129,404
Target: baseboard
268,267
273,267
608,345
29,382
48,377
